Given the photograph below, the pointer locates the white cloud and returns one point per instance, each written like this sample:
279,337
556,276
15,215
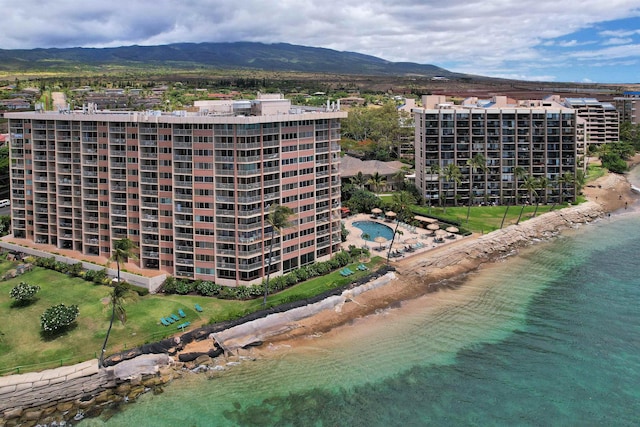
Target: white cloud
618,33
477,35
617,41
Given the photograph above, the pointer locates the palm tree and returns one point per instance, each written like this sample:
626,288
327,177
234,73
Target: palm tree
530,184
359,180
401,176
579,180
477,162
278,219
451,173
519,173
433,169
401,204
365,237
542,185
122,250
566,179
377,181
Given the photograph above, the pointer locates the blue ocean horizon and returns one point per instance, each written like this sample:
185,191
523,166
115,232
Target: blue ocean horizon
548,337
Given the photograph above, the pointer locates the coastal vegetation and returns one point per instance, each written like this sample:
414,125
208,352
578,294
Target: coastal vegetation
25,347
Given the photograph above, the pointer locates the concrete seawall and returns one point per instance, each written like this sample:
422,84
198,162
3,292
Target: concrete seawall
471,253
66,393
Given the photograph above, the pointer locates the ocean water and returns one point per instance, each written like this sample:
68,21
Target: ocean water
550,337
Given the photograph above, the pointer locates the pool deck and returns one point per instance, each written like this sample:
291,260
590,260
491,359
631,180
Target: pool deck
408,238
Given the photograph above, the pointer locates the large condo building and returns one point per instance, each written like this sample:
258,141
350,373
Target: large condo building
628,105
532,138
192,189
602,119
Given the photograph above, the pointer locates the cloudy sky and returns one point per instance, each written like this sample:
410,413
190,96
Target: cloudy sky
551,40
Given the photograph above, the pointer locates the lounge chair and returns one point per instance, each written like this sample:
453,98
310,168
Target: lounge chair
183,325
164,321
175,317
362,267
170,320
198,308
181,313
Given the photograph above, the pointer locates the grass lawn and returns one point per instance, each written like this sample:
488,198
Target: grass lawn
483,219
24,348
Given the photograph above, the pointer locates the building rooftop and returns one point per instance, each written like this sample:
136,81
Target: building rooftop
350,166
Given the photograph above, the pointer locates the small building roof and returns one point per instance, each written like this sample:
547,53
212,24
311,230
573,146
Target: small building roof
350,166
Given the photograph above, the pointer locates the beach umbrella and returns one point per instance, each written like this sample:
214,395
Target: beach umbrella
452,229
411,241
441,232
390,214
433,227
376,211
380,240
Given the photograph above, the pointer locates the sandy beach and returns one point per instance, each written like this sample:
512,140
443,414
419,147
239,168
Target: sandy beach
611,192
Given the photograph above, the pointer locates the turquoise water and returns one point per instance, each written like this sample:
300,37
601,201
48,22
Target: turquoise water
374,229
551,337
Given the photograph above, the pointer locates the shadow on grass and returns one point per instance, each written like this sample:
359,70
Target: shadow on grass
23,303
52,335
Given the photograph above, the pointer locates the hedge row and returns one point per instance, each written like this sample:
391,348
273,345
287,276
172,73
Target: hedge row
278,283
99,277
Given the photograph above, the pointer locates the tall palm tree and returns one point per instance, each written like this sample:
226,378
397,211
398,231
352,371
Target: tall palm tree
401,204
377,181
433,169
477,162
278,219
451,173
359,180
579,180
123,249
566,179
401,176
542,184
519,172
530,184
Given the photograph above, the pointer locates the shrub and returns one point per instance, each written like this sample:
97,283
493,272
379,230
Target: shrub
58,317
169,285
100,277
208,289
141,291
24,292
183,287
74,269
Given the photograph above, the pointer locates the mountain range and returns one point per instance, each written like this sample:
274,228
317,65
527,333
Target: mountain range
236,55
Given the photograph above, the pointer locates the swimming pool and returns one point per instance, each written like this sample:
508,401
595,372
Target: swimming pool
374,229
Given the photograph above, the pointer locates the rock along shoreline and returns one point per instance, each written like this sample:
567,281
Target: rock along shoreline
60,396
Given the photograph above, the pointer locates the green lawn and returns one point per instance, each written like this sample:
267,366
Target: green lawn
23,348
483,219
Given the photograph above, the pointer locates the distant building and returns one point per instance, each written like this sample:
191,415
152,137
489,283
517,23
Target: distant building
15,104
192,190
628,105
351,101
538,137
602,119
